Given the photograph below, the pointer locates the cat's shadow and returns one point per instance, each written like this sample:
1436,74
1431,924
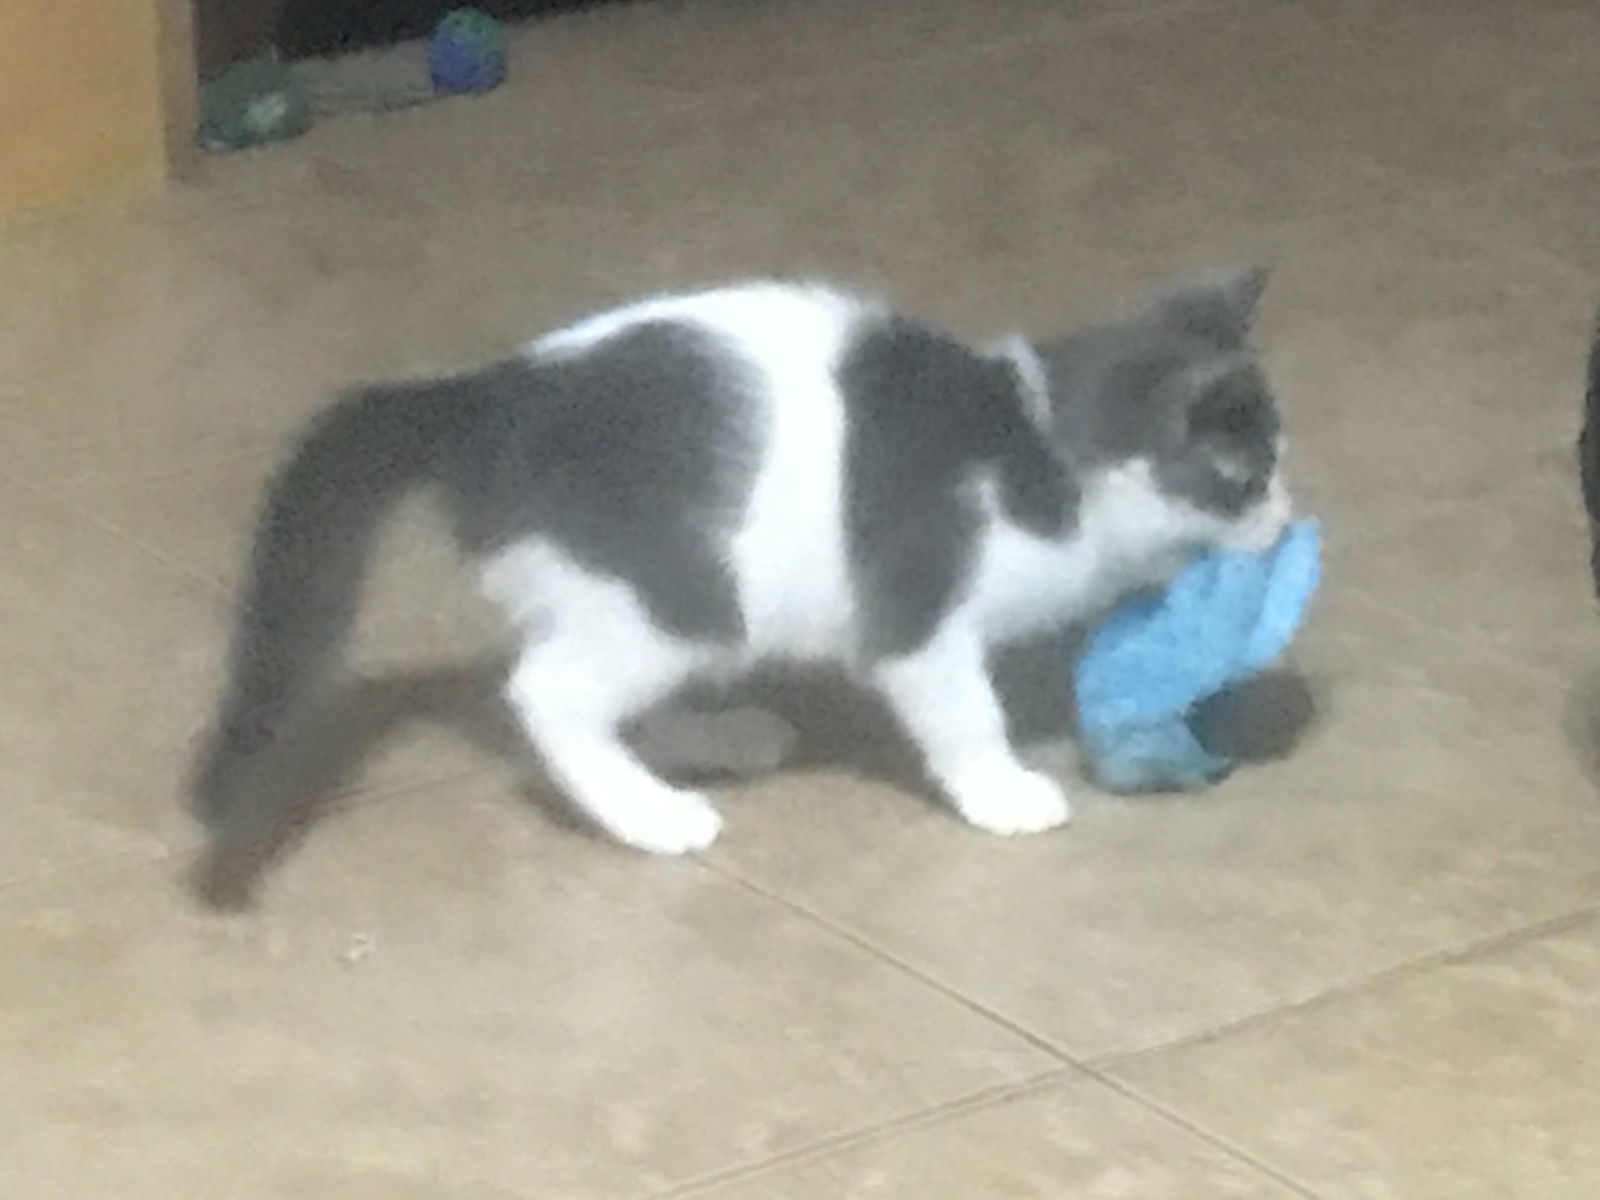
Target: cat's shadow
312,771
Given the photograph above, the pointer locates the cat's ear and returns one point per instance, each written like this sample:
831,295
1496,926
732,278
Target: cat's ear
1220,307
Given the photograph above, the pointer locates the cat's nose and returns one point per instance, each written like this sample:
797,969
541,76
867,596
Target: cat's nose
1264,524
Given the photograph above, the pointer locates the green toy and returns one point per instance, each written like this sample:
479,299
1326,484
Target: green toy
252,103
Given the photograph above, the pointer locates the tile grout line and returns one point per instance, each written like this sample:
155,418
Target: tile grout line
66,504
70,502
1355,986
1216,1140
1071,1066
841,930
1097,1063
833,1144
1099,1068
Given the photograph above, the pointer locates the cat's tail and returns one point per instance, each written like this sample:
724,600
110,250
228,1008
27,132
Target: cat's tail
313,541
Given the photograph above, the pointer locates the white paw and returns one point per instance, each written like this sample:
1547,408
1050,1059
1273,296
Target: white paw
1012,800
671,822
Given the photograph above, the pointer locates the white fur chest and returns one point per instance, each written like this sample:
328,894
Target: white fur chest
1127,536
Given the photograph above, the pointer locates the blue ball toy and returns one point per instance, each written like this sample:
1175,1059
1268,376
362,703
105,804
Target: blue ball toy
1153,659
467,52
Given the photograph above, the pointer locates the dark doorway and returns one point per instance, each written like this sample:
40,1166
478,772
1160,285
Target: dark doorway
230,30
314,28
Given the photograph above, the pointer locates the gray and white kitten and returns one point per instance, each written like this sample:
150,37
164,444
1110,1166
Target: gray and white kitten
679,489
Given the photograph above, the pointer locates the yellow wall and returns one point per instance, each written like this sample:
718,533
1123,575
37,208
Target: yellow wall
96,99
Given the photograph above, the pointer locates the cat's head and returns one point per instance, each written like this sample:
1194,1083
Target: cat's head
1170,406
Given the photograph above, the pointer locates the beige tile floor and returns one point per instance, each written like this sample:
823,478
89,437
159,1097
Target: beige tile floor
1371,970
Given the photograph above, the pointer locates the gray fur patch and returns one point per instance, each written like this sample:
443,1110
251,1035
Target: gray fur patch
635,456
925,415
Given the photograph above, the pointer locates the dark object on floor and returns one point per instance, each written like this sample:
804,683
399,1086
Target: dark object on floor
1261,720
1589,458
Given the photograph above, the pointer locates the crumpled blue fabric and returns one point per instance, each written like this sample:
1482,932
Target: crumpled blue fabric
1143,669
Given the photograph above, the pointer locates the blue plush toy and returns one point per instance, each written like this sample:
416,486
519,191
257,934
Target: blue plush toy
1144,668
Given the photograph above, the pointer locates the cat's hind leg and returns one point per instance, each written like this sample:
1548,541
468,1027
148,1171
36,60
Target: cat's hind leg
592,661
945,699
573,703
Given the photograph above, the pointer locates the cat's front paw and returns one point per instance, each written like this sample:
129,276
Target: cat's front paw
672,822
1012,800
